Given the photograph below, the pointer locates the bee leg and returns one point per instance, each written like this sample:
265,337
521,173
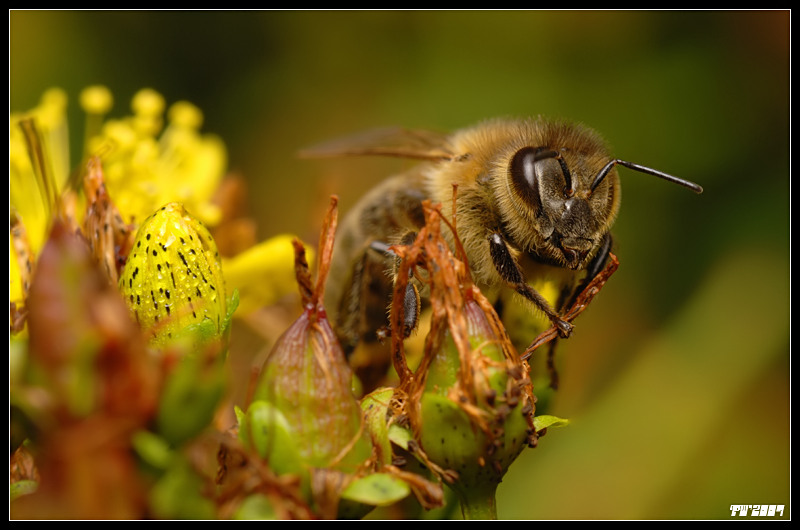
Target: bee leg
594,268
511,274
551,363
411,309
362,322
411,300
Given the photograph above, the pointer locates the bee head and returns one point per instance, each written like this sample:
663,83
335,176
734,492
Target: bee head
572,198
553,189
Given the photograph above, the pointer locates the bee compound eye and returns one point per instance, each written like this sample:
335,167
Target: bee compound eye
524,176
523,167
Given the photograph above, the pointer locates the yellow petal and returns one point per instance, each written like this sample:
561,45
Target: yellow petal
263,273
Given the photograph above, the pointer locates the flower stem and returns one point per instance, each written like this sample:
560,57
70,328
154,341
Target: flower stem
478,502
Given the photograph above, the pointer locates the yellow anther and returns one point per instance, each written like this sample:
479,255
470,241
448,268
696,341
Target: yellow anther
185,114
148,102
96,99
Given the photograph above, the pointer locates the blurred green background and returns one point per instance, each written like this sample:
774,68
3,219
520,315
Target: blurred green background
677,378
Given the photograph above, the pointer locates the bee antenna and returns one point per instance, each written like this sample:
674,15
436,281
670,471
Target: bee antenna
642,169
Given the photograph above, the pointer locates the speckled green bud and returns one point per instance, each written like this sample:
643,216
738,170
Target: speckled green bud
173,278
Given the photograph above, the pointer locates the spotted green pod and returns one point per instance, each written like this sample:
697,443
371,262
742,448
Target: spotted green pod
478,442
173,278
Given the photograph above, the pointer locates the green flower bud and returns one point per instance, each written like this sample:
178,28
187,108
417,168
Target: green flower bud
477,439
470,401
173,279
307,381
306,378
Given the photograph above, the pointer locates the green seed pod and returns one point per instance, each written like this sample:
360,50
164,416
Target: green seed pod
477,438
173,278
307,379
470,402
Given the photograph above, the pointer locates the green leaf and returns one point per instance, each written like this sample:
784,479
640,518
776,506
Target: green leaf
255,507
22,487
190,398
375,406
545,420
377,489
400,436
240,415
179,494
152,448
233,304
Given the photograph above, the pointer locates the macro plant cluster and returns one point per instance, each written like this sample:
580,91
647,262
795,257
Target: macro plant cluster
127,273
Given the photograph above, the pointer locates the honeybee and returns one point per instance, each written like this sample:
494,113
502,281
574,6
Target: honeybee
536,199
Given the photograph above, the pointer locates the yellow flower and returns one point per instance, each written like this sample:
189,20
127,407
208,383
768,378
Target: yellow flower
39,163
148,165
154,156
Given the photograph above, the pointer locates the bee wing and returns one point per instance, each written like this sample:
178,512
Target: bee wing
388,141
